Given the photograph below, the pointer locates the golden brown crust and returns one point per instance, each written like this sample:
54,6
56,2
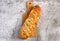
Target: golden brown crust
29,28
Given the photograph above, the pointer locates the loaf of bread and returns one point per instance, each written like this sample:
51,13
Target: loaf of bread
29,28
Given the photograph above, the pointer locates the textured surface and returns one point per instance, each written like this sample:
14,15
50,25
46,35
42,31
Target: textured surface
11,17
29,28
